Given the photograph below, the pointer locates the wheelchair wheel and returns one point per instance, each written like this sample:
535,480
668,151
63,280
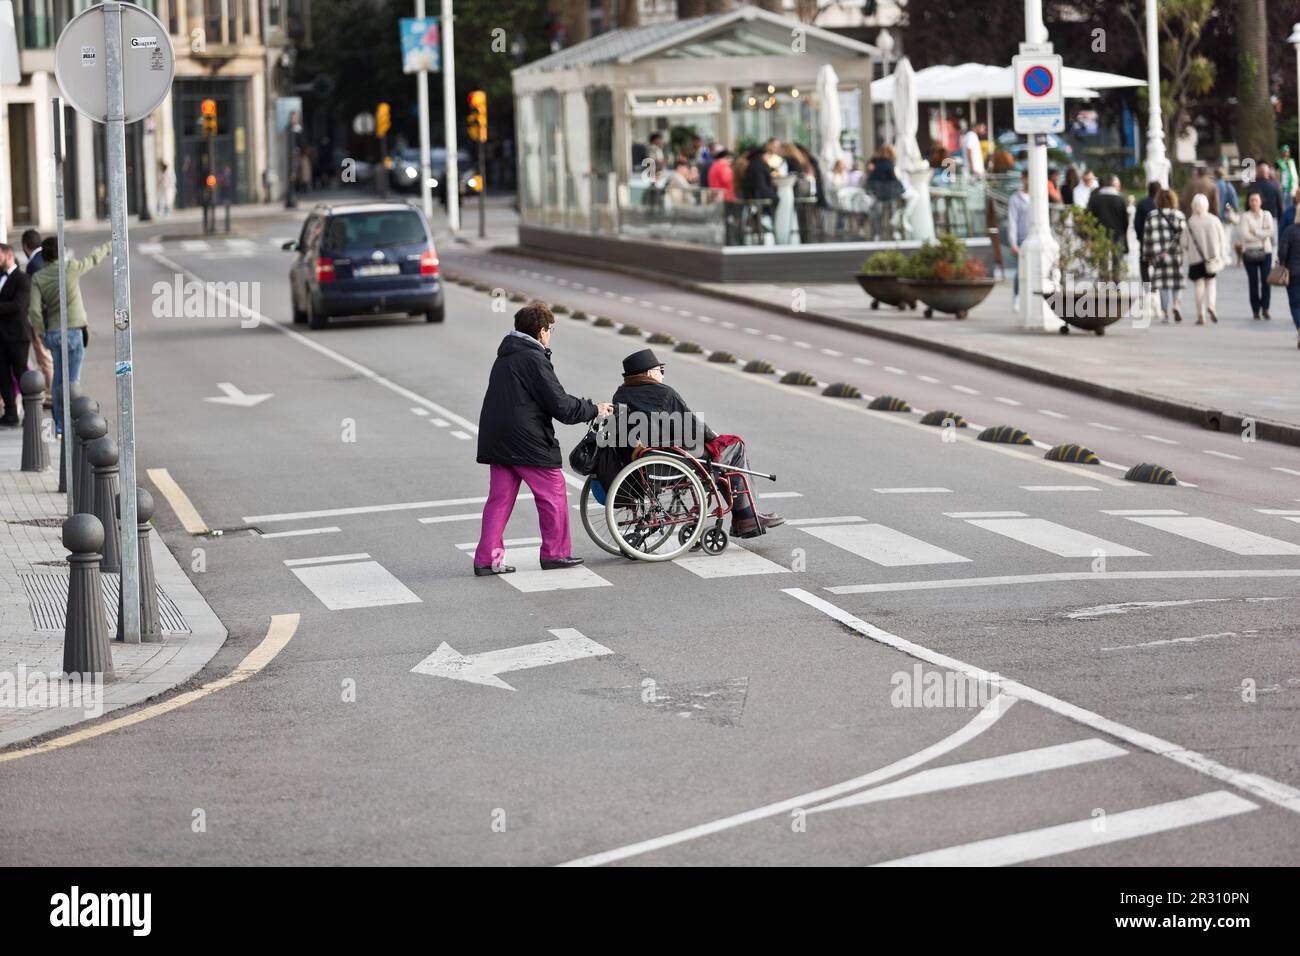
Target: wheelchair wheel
650,503
714,541
594,520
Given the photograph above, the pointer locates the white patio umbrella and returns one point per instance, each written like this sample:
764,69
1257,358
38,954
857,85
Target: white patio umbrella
829,125
910,166
576,126
528,138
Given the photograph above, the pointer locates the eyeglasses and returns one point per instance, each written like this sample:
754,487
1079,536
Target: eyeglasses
662,369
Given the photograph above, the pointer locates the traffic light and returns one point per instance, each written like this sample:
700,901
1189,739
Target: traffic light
476,120
383,120
208,117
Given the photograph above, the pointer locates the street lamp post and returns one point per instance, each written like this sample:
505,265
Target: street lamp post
1157,163
885,42
1039,250
1294,40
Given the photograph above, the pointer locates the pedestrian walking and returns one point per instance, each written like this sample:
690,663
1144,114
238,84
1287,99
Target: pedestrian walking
1288,256
517,441
1268,191
1203,247
1107,206
15,330
166,189
1229,204
1017,230
1256,230
1141,212
44,313
1286,173
1083,190
1054,187
1162,247
721,176
32,250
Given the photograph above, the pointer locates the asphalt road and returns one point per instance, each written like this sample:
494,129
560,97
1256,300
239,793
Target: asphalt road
744,709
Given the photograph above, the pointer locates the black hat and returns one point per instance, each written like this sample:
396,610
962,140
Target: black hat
641,361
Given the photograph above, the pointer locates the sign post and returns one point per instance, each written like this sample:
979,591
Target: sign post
1039,108
420,55
65,399
449,118
114,61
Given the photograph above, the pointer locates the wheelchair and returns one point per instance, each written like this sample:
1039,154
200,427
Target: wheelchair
664,503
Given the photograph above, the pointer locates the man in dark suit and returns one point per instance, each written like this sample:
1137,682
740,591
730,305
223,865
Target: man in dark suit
15,330
1107,206
35,260
1270,196
32,250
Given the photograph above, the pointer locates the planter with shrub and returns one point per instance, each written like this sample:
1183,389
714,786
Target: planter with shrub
879,279
1091,294
942,276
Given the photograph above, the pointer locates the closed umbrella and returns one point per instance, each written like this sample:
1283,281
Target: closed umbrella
910,166
829,126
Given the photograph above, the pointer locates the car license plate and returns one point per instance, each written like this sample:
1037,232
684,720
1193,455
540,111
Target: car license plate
388,269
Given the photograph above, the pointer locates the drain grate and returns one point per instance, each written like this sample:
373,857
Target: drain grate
41,522
48,595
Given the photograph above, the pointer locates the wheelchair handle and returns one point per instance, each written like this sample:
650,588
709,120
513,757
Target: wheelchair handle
743,471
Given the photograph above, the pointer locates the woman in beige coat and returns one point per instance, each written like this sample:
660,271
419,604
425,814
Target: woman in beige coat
1203,244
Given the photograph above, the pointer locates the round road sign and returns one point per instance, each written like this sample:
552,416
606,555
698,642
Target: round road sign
1038,81
363,124
81,62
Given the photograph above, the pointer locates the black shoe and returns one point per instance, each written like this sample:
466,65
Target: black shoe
555,564
483,572
9,422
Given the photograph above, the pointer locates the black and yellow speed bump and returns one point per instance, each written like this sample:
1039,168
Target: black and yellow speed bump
558,309
1073,453
480,287
518,297
842,390
723,357
661,338
580,315
888,403
760,367
1151,475
688,347
1006,435
603,322
630,330
798,378
938,417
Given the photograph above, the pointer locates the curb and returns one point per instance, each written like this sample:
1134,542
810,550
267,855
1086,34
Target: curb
1212,419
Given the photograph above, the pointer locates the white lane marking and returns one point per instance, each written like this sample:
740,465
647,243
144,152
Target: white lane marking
189,516
753,331
985,514
1128,512
1173,640
686,313
531,579
145,248
666,308
1286,471
928,379
802,345
863,361
626,298
241,243
832,353
992,712
355,584
439,519
799,494
733,563
593,290
1103,427
883,545
1278,511
508,542
327,559
1258,786
419,411
912,491
195,245
300,532
966,390
645,303
971,773
557,281
1104,610
894,371
463,436
609,294
1056,538
775,338
1051,414
1082,834
705,318
570,644
796,522
727,325
361,510
439,423
1059,488
1057,577
1163,441
1006,401
1216,534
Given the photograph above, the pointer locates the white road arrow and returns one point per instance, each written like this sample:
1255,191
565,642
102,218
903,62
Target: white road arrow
569,645
234,396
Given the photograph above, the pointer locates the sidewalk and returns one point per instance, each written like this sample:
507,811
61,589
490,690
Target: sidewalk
33,589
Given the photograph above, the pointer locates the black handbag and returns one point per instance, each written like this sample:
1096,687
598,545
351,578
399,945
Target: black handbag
583,457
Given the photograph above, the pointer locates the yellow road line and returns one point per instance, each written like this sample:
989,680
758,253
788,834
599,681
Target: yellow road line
278,634
179,501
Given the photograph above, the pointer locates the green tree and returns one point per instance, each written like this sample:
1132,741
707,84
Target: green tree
1256,126
1187,72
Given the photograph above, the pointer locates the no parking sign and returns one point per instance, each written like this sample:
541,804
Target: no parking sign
1039,105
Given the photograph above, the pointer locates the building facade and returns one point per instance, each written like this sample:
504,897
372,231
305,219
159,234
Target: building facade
230,51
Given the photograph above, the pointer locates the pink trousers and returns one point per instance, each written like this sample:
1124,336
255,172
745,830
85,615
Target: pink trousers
547,486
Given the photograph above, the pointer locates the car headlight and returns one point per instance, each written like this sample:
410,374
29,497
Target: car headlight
433,183
411,172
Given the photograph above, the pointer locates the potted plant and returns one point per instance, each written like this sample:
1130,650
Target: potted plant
942,276
1090,294
879,279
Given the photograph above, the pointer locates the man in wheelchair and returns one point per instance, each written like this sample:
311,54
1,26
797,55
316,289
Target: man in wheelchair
657,416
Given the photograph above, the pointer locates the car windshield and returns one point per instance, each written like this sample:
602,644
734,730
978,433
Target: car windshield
374,230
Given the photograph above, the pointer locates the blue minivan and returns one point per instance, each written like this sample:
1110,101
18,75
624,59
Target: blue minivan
364,258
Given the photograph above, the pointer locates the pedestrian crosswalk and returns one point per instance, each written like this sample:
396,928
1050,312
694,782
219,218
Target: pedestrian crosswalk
1151,542
214,247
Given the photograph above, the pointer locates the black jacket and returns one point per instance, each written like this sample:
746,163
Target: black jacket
1112,212
14,299
757,183
523,395
1269,195
655,398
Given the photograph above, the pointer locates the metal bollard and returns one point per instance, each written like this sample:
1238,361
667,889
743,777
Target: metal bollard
102,456
74,392
85,631
89,427
35,456
150,623
81,405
